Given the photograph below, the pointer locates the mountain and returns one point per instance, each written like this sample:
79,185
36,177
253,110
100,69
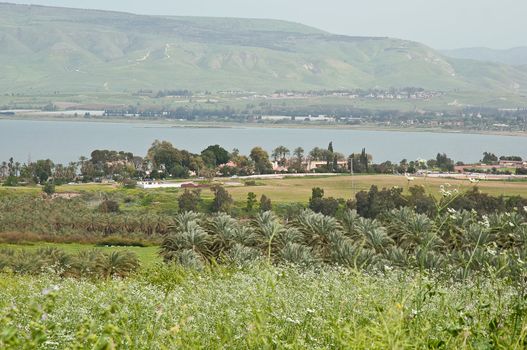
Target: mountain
515,57
48,49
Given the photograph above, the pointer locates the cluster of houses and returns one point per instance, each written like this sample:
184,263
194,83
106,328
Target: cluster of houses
310,165
501,165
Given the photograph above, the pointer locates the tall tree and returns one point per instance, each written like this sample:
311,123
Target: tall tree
215,155
260,157
222,201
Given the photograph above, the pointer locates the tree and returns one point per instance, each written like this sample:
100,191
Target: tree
280,155
317,154
169,160
317,193
360,162
48,188
511,158
251,201
444,163
215,155
319,204
331,161
374,202
222,201
265,204
261,161
43,170
189,200
489,158
297,163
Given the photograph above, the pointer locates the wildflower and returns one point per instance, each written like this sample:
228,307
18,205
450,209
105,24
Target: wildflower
289,319
52,289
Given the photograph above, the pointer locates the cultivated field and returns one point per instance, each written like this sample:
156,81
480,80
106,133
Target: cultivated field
299,189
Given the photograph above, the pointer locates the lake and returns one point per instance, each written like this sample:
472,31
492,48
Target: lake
64,141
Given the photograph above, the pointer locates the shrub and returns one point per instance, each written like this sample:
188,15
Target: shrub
11,181
189,200
251,202
92,263
129,183
48,188
222,201
109,206
265,203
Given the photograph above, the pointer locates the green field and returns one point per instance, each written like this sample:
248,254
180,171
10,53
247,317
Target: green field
299,189
344,186
291,190
261,308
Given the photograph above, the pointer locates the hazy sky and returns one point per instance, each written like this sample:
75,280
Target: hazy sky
438,23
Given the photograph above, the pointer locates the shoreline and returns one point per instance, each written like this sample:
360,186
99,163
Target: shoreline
233,125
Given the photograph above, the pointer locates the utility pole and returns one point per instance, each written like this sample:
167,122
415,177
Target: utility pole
352,177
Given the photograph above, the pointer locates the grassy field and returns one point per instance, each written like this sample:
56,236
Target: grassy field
260,308
299,189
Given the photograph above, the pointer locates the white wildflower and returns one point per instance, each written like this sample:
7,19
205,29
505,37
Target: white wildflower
50,290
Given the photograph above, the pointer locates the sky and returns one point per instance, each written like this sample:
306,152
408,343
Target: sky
441,24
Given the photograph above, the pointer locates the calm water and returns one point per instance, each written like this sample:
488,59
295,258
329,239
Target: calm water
64,141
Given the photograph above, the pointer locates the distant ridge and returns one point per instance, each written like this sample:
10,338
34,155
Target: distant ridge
516,56
49,49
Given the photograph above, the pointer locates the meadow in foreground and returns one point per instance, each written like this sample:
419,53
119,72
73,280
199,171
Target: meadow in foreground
262,307
394,273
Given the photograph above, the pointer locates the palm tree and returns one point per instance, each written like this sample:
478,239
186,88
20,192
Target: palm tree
267,227
297,254
117,264
191,237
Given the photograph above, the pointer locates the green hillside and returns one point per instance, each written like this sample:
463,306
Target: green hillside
45,50
516,56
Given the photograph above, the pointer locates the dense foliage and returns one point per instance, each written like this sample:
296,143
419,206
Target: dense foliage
261,307
460,242
86,264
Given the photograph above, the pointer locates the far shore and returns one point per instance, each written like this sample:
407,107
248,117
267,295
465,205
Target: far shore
214,125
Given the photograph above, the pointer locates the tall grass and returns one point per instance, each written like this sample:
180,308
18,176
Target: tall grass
262,307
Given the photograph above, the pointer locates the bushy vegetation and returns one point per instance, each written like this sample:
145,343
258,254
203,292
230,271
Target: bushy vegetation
262,307
86,264
460,243
24,213
389,269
